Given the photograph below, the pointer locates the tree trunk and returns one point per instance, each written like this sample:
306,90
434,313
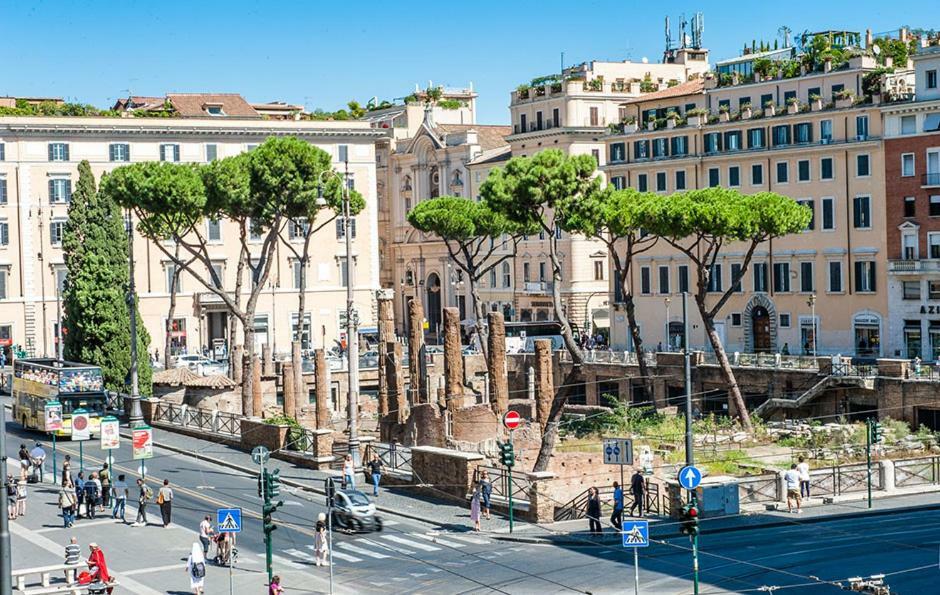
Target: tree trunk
550,433
482,331
233,320
249,351
737,400
302,304
638,344
168,339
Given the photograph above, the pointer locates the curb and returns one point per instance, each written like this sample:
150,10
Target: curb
566,540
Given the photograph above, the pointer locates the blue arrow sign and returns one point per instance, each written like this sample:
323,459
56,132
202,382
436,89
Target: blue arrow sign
229,520
636,534
690,477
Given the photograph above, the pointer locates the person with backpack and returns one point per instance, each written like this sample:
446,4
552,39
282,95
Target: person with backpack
105,477
142,498
80,495
196,567
11,498
92,492
165,502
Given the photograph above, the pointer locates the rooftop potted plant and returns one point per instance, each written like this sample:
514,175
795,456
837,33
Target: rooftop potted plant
844,98
793,105
815,102
651,124
770,108
522,91
629,125
724,113
671,119
746,111
697,116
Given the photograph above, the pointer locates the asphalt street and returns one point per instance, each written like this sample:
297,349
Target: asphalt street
415,557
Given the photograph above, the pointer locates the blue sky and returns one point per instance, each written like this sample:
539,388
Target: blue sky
322,54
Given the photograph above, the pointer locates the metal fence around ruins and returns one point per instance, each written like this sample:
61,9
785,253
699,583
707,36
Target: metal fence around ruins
207,420
919,471
843,479
500,480
760,488
394,457
656,503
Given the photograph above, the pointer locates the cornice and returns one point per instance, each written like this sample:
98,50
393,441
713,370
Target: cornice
122,128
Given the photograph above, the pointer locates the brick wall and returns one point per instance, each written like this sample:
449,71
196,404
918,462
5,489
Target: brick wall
899,187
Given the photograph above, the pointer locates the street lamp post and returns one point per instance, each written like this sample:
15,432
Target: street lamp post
668,343
811,302
352,322
58,307
135,415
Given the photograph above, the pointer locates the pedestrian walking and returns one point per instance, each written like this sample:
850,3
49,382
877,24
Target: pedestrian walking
205,534
73,555
475,507
105,477
616,517
321,548
67,503
98,566
80,494
638,489
349,474
792,479
92,491
486,493
119,492
67,468
196,567
594,511
145,494
38,457
803,468
375,470
21,494
165,501
275,588
11,497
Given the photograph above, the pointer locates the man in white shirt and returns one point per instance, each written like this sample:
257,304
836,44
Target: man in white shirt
792,479
205,534
803,468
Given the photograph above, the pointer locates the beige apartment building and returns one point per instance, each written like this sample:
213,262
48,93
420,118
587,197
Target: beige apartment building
38,170
825,153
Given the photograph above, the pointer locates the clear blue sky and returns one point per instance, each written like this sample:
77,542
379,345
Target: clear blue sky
322,54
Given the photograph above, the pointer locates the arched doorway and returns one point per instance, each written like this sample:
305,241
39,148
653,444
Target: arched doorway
760,329
434,302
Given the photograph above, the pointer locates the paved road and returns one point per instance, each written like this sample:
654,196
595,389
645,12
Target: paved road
415,557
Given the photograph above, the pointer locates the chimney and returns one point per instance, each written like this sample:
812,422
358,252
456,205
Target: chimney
868,39
472,137
429,114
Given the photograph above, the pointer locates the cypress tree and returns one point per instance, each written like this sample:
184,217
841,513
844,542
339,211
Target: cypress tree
97,324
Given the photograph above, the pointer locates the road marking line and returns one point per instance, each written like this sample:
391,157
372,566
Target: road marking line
359,550
435,539
388,547
391,523
340,555
299,554
283,560
408,542
153,569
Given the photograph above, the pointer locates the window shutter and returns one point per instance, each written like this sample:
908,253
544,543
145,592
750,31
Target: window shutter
68,190
3,285
871,276
112,153
339,228
3,191
50,151
51,190
352,228
176,152
858,276
65,148
856,215
4,234
812,210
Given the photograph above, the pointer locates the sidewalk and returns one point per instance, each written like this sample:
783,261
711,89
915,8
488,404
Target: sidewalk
402,501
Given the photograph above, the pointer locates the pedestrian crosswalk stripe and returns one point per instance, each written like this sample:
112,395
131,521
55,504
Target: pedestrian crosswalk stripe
358,550
340,555
397,550
282,560
390,523
469,539
410,543
298,554
436,539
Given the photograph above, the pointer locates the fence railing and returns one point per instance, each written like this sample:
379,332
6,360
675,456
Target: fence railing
115,401
843,479
500,480
657,503
762,488
394,457
853,370
301,440
919,471
207,420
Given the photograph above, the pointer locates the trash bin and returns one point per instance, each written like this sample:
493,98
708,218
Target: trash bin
97,588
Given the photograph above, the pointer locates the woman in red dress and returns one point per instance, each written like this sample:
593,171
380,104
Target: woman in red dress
98,566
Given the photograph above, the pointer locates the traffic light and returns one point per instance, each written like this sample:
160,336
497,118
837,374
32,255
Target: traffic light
689,519
877,431
268,511
260,486
506,454
272,483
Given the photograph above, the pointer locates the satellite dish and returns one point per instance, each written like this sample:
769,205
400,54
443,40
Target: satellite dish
876,49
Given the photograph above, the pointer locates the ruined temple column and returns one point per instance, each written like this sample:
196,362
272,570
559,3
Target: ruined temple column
267,361
415,350
496,363
237,363
257,407
297,366
287,380
453,360
386,335
544,386
396,383
323,391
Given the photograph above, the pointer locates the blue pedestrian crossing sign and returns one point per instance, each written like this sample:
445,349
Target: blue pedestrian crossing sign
229,520
690,477
636,534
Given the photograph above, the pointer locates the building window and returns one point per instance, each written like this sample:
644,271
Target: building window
935,206
215,110
713,177
641,184
341,228
781,277
861,127
931,79
735,319
802,170
781,135
828,213
3,191
4,275
641,149
599,270
933,290
664,279
803,133
618,152
679,146
813,91
910,206
909,245
660,148
169,152
734,176
170,269
865,276
217,275
760,277
714,279
757,174
825,168
541,272
4,233
835,276
526,272
756,138
645,281
60,190
683,278
908,124
783,172
785,320
910,290
733,140
933,243
736,277
507,275
680,179
862,166
907,164
213,230
618,182
58,152
861,212
297,228
807,281
56,231
212,152
296,269
3,151
811,205
595,116
119,152
712,142
556,118
825,131
660,181
492,277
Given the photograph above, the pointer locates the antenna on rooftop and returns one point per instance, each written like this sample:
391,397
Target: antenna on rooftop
668,36
698,28
683,38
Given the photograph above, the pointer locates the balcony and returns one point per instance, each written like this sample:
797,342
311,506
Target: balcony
537,287
930,180
914,266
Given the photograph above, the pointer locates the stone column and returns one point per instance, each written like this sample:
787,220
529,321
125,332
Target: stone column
415,349
544,386
384,298
496,363
287,381
267,361
398,398
246,380
237,364
453,360
323,390
300,385
257,407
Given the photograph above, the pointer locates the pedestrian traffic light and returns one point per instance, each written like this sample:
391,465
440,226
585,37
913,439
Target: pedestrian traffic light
689,519
506,454
272,483
268,510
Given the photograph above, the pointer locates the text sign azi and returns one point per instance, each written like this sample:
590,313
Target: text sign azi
228,520
618,451
690,477
636,534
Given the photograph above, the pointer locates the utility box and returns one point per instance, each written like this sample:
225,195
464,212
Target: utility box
716,496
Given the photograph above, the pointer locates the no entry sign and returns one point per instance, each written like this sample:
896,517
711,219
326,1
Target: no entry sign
512,420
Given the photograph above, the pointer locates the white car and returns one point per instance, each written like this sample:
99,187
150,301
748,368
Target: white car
200,364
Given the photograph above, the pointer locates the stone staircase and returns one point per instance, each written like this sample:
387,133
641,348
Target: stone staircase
841,379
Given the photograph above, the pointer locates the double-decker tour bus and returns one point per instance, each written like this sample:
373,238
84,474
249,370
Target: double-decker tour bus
521,336
37,381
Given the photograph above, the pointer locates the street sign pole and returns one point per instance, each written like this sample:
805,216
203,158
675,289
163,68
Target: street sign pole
81,456
6,561
689,450
635,534
636,571
509,478
868,456
55,468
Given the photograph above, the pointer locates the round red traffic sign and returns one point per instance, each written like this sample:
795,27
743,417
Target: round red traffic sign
511,420
80,422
